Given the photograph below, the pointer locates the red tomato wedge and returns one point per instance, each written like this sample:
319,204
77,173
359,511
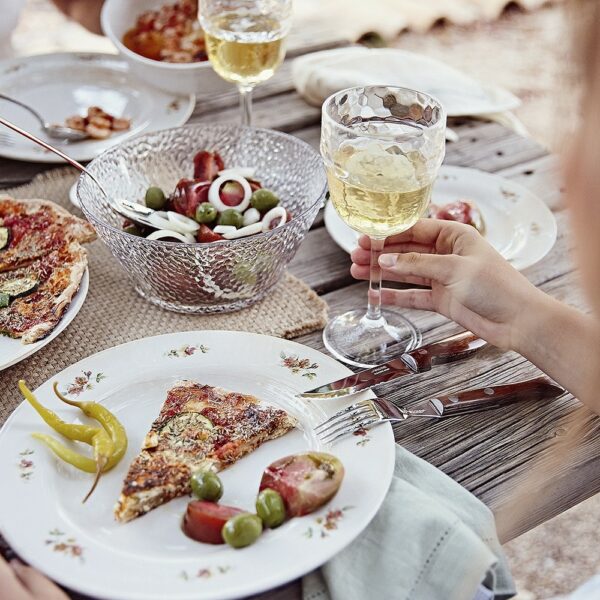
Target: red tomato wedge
203,521
206,234
305,481
207,165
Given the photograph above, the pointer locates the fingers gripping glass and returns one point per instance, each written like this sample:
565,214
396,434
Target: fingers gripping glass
382,148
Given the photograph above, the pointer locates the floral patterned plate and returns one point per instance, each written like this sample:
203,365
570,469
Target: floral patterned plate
517,223
84,548
14,351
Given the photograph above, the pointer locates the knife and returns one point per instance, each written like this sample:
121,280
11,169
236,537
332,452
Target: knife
420,360
478,400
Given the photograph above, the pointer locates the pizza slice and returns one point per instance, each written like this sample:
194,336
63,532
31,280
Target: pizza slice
30,229
34,298
199,427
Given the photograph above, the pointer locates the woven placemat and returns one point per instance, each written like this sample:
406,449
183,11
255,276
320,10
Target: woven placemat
113,313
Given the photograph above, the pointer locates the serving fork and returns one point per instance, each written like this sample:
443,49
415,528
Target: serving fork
367,413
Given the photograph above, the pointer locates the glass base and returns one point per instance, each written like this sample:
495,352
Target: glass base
361,342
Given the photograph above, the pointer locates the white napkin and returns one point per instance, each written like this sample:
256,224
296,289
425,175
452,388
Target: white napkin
316,76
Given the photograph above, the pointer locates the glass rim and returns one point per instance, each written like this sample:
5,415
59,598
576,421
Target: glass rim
326,116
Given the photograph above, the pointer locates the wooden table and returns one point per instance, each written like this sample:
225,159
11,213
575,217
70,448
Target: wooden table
494,455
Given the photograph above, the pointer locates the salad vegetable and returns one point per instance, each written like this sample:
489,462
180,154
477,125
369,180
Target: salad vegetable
199,209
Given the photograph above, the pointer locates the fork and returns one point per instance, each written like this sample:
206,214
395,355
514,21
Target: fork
367,413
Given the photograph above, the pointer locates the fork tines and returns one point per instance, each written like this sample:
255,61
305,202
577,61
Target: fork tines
348,420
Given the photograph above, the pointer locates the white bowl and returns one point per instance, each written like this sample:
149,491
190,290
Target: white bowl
190,78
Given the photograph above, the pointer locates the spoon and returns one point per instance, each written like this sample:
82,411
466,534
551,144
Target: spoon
130,210
58,132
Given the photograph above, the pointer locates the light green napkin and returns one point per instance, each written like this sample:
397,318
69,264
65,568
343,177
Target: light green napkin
431,540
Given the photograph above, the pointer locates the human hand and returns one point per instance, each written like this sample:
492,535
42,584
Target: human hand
20,582
469,281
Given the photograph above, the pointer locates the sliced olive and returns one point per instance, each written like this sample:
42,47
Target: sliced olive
270,508
4,300
231,217
206,485
4,237
133,230
155,198
206,213
242,530
264,200
19,287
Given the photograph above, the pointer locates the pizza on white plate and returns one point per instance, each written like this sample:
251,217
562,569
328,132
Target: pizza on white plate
199,427
41,265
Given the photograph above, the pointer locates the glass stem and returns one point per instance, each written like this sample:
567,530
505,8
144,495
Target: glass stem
246,104
374,306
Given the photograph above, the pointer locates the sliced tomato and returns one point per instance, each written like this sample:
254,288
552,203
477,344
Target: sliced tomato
188,194
206,234
203,521
207,165
305,481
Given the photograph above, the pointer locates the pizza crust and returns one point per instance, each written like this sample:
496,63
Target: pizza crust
76,272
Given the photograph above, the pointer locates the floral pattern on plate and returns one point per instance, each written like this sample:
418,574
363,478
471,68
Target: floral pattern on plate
26,465
325,525
59,542
204,573
364,435
186,350
84,382
299,366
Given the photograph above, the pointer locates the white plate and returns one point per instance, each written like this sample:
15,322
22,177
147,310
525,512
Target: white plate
13,351
517,223
65,84
82,547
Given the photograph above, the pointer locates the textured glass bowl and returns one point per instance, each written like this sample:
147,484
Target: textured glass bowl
219,276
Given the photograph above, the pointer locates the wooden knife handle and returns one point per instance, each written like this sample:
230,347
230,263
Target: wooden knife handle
448,350
460,403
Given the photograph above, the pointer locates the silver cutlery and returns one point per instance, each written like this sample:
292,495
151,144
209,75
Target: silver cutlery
456,347
366,414
130,210
57,132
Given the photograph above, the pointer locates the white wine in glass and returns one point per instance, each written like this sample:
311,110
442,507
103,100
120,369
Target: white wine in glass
382,148
245,41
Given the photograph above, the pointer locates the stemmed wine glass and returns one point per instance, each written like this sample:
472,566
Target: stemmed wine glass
245,41
382,148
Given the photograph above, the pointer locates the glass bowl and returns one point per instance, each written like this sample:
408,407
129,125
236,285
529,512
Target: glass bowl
219,276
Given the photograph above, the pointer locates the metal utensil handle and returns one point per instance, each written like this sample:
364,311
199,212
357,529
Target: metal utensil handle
56,151
26,107
460,403
448,350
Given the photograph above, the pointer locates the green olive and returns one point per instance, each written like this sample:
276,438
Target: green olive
242,530
206,213
206,485
155,198
231,217
264,200
134,230
270,508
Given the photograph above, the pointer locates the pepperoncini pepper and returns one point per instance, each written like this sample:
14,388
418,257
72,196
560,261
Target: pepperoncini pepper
109,442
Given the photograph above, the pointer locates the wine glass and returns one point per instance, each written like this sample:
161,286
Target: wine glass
245,41
382,148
